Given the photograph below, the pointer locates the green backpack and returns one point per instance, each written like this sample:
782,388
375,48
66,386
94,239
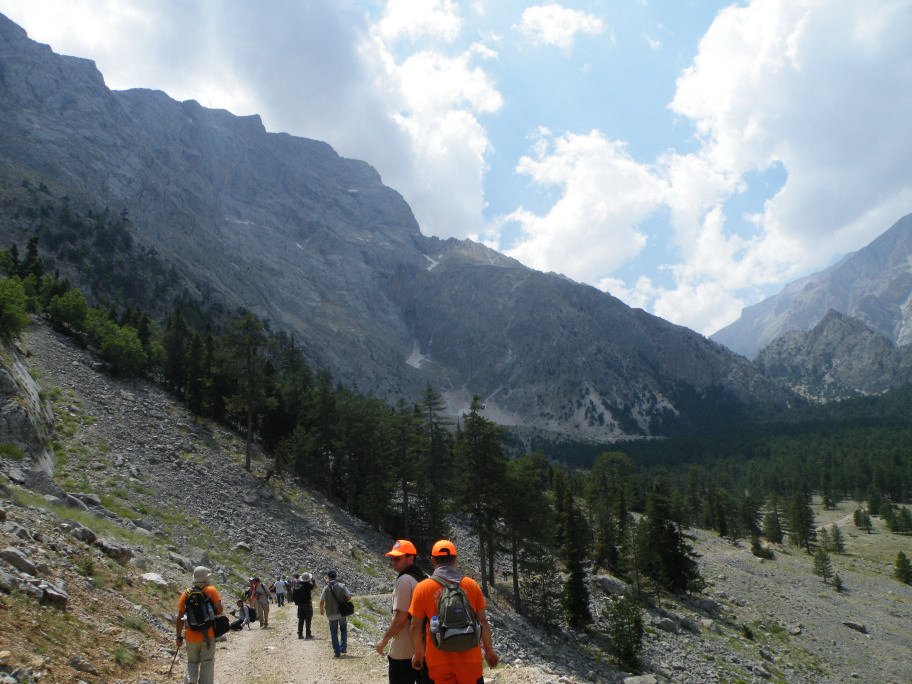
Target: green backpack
459,629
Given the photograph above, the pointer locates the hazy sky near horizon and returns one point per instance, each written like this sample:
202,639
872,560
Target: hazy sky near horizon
688,156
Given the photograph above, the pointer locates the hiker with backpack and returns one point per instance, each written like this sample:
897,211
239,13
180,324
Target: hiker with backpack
301,595
402,558
280,586
197,609
335,603
241,616
453,608
259,595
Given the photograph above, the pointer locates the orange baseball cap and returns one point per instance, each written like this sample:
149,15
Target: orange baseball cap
402,547
444,548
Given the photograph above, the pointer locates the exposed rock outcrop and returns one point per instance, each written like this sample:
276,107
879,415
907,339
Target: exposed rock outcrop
317,244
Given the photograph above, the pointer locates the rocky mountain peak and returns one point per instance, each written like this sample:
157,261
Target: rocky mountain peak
840,356
872,285
316,244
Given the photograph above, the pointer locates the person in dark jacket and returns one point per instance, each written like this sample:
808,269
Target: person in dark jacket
301,595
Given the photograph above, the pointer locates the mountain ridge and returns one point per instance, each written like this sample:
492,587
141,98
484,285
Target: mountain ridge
872,285
316,244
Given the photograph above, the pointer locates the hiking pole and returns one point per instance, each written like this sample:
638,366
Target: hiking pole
176,651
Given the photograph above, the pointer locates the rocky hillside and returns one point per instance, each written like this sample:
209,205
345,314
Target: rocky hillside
838,358
320,247
872,285
93,554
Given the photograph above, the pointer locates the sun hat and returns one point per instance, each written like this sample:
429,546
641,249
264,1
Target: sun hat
201,574
402,547
444,548
307,577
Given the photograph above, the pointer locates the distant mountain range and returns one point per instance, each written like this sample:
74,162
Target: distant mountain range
317,245
872,285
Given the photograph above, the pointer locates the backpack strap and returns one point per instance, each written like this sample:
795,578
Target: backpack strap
332,588
447,583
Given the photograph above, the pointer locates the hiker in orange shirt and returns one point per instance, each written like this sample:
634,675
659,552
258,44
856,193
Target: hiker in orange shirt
200,644
448,667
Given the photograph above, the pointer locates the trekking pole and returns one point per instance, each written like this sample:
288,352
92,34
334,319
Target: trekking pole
176,651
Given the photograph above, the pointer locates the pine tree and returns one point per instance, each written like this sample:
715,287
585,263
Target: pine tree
624,621
903,568
528,518
175,341
247,340
837,540
481,468
665,554
434,465
822,565
576,597
772,526
801,522
823,539
606,494
540,584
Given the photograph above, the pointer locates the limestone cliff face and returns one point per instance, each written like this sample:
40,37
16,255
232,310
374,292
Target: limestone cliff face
317,244
26,420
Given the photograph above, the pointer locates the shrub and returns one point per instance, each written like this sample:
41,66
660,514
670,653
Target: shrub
11,451
68,310
625,630
13,319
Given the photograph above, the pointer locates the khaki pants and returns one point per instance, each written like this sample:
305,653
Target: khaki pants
262,610
200,662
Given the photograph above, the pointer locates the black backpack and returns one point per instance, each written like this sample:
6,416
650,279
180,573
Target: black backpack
198,610
346,607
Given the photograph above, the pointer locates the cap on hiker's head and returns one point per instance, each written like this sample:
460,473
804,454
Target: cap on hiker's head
201,574
402,547
444,548
331,574
307,577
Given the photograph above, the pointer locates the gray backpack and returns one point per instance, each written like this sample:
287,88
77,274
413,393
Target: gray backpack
459,629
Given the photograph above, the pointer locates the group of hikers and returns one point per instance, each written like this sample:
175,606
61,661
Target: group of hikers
438,633
257,597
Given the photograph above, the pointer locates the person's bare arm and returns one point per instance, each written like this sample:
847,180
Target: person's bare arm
400,619
417,632
490,655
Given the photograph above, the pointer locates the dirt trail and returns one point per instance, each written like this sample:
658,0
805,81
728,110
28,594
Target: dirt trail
275,655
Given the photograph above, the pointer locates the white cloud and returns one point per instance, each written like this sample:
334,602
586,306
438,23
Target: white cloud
592,228
435,19
556,25
435,100
432,82
822,88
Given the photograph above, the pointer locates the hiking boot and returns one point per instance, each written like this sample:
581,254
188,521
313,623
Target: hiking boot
309,636
300,636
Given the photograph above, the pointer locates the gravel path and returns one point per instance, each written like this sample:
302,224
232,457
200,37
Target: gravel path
275,655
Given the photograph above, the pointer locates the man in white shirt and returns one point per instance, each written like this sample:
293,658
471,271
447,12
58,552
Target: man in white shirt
402,558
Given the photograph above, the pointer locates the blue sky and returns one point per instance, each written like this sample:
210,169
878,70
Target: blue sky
690,157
